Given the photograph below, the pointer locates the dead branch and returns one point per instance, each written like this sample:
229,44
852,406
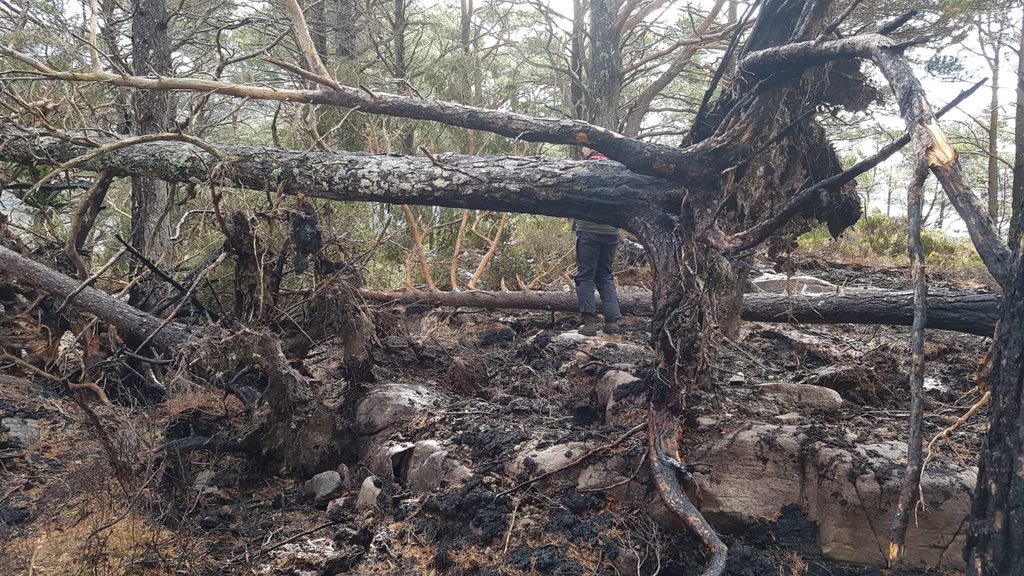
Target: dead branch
303,38
453,270
942,160
85,216
88,281
134,324
417,246
491,249
911,491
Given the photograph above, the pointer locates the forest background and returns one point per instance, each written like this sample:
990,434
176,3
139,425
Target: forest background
513,56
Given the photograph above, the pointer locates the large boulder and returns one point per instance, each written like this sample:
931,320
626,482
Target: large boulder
850,491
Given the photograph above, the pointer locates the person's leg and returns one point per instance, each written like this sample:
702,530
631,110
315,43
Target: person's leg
588,252
605,282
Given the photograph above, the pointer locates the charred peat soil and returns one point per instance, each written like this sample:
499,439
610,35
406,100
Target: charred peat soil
463,410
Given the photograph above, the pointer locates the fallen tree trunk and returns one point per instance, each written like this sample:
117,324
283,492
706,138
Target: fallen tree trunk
595,191
135,325
956,311
960,312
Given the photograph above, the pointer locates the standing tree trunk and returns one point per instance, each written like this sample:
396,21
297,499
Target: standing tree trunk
577,97
400,70
993,135
605,77
154,112
995,537
1018,142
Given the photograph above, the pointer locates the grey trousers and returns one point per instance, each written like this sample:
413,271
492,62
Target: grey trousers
595,254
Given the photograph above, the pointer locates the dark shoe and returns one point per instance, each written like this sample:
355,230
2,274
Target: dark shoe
612,328
589,327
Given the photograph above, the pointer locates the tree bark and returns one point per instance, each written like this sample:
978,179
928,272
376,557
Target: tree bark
604,78
995,535
135,326
993,137
1017,198
154,113
597,191
955,311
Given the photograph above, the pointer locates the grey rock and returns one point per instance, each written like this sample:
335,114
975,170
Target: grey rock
570,338
18,432
850,493
384,460
368,494
788,418
323,486
431,467
613,394
611,381
535,462
789,393
705,422
346,477
337,505
393,404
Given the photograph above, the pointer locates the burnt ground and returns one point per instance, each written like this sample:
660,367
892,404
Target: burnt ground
509,384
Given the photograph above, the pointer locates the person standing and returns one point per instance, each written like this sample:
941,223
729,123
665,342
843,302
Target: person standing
595,253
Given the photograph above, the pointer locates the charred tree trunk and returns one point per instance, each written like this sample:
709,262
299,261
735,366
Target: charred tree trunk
995,537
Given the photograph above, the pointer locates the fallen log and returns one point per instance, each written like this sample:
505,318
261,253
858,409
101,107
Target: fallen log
947,310
135,325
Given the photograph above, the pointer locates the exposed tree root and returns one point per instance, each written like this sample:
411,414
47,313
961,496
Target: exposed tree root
944,434
665,462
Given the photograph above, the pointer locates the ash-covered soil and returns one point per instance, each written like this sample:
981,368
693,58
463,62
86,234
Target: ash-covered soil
499,400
